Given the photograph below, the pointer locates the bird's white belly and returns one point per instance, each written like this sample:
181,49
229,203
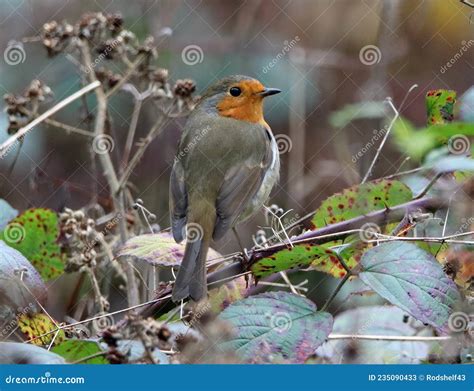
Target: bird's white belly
271,177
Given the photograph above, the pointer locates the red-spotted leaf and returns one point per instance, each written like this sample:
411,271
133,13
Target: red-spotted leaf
440,106
276,326
34,233
158,249
307,255
360,200
34,326
411,279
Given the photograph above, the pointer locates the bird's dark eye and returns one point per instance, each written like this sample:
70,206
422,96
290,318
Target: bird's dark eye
235,91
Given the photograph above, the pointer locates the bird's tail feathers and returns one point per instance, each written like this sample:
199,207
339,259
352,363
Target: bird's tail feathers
191,280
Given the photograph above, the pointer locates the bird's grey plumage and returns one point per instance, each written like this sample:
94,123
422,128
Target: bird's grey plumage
242,180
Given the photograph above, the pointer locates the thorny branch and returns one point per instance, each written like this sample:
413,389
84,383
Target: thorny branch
337,231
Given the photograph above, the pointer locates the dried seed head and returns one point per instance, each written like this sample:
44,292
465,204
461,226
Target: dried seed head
114,22
159,75
184,88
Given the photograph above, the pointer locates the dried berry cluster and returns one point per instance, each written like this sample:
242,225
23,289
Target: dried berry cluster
110,41
57,36
21,109
81,239
153,335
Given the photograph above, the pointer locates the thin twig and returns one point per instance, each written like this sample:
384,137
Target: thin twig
336,291
389,337
131,132
23,131
285,278
130,71
387,133
71,325
141,151
427,188
68,128
96,289
402,173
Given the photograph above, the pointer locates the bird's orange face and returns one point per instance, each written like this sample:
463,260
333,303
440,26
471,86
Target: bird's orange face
244,101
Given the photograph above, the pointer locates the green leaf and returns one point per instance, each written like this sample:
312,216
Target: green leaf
411,279
77,350
277,325
440,106
158,249
34,233
7,213
360,200
417,143
307,255
374,320
351,112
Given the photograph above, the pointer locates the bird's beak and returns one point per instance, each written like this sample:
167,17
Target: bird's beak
269,91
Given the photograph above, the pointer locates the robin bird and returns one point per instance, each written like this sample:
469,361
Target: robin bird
226,165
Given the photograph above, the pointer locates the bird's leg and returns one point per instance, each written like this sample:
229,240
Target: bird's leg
245,253
242,248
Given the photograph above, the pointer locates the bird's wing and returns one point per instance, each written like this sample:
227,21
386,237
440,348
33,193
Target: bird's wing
241,184
178,201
